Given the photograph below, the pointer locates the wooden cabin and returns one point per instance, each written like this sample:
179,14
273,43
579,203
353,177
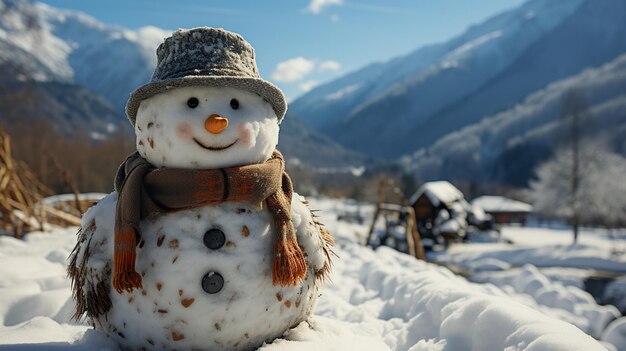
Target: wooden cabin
504,210
440,210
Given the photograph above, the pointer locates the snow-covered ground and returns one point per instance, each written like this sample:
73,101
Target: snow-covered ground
377,300
543,267
542,247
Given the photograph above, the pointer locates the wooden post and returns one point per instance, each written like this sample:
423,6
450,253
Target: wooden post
381,199
410,240
418,248
413,237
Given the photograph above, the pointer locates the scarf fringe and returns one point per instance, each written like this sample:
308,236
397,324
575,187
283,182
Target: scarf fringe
143,192
125,278
288,266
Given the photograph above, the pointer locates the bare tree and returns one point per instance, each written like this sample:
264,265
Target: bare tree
574,117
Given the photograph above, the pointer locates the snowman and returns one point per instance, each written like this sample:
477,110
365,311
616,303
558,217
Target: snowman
203,245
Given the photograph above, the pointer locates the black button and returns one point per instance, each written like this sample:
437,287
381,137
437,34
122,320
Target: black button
212,282
214,239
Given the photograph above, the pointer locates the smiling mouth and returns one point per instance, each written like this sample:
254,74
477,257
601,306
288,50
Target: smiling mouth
214,148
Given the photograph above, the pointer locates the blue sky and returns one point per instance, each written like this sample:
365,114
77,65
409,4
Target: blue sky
301,43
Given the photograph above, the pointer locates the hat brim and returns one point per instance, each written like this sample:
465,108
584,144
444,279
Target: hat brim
263,88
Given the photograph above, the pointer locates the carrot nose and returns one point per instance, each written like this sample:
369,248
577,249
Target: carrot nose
216,123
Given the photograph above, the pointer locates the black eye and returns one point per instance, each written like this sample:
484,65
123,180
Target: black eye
193,102
234,104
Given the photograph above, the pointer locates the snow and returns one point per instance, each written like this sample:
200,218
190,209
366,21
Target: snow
355,171
600,196
615,334
555,290
55,199
437,192
501,204
453,225
343,92
616,293
413,305
17,28
466,49
63,45
376,300
418,306
324,334
488,264
553,298
478,213
543,247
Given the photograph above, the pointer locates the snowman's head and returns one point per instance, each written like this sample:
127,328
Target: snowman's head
201,127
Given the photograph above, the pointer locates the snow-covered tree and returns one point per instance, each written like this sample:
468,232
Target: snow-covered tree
608,187
573,113
600,195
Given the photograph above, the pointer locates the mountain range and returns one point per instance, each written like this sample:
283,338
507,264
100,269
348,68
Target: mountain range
66,107
483,106
78,72
507,146
71,47
394,108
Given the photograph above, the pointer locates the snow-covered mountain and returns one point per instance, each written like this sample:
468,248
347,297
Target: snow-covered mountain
72,47
81,71
507,146
397,107
65,107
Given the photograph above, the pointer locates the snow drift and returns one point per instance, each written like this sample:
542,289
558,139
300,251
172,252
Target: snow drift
378,300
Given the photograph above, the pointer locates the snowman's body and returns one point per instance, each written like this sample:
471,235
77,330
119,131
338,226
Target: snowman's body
173,311
206,271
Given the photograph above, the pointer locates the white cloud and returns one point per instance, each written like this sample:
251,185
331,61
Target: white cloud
379,9
334,18
316,6
329,65
293,69
308,85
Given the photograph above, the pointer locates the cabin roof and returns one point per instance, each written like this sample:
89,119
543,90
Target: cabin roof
438,192
501,204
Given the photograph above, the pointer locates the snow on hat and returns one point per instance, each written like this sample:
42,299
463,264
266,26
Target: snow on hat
206,56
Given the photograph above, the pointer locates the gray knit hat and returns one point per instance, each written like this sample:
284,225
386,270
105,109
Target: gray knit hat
208,57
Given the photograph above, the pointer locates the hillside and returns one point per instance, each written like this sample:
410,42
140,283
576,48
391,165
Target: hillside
67,107
313,149
395,108
70,46
507,146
